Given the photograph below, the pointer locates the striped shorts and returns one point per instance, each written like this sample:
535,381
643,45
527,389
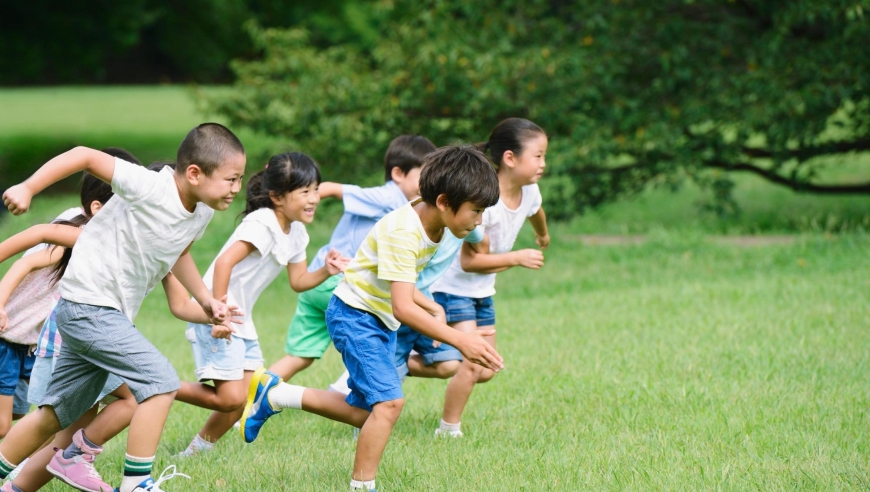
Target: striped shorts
98,341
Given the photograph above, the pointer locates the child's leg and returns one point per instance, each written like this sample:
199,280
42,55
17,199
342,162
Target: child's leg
219,422
462,384
373,438
224,396
26,437
433,359
307,337
223,362
5,414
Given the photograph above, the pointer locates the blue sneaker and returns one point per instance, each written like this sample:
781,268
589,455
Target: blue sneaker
257,408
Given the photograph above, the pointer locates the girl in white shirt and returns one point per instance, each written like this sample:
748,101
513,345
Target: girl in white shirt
518,148
281,199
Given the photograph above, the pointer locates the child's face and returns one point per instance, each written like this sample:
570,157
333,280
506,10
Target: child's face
218,190
464,220
408,182
298,205
529,165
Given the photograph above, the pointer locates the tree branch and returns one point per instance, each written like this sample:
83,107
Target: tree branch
798,186
808,152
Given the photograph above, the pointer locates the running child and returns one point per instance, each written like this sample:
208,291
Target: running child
280,200
141,234
307,337
375,297
518,147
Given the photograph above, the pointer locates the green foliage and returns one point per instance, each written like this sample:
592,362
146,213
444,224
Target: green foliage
632,93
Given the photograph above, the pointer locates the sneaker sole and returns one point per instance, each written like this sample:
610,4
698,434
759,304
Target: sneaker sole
252,394
67,481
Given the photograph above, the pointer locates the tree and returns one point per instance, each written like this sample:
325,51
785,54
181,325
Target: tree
631,92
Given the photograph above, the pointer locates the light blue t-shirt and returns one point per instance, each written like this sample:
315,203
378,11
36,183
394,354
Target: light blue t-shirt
439,263
363,208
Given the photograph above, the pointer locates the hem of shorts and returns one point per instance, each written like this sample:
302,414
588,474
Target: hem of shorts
104,394
458,318
211,373
485,322
443,356
156,389
307,355
4,393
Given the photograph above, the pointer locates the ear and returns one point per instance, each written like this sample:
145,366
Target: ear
397,175
276,198
194,174
442,203
509,158
95,207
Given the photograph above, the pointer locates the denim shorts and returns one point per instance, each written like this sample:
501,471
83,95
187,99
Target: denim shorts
367,348
218,360
41,376
20,405
459,308
16,362
407,339
99,341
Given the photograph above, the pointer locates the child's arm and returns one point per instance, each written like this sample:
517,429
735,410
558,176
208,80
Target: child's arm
472,345
186,309
329,189
430,306
188,275
477,259
539,224
17,198
301,279
59,234
18,271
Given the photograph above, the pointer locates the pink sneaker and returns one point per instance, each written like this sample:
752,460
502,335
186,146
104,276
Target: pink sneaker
78,472
7,487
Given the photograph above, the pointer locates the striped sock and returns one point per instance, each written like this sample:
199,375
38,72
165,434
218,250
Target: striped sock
5,467
135,466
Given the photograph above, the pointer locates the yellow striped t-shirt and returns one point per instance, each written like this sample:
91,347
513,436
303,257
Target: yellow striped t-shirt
395,250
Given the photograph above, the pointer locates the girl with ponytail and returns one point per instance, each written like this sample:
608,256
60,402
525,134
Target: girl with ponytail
281,199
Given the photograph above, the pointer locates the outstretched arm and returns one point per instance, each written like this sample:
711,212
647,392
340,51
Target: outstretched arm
18,271
301,279
472,345
186,272
329,189
476,258
184,308
539,224
59,234
17,198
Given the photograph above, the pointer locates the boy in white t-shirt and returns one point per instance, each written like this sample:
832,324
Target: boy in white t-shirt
140,235
518,148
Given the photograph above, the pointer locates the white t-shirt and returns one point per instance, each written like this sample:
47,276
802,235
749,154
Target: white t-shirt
127,248
275,250
502,225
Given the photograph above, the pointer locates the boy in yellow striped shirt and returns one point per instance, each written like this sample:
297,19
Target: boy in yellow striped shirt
376,296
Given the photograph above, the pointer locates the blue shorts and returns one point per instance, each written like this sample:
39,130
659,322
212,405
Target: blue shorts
407,340
218,360
459,308
16,362
20,405
367,348
41,376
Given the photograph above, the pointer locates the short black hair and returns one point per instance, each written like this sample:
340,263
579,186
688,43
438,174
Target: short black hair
406,152
462,173
208,146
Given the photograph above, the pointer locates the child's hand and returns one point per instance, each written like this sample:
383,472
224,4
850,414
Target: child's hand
222,331
475,349
4,319
336,263
216,311
529,258
235,313
17,199
542,241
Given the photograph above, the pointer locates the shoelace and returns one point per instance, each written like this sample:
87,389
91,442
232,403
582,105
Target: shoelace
89,466
164,477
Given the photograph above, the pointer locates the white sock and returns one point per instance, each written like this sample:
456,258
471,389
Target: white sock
448,427
128,483
286,396
362,485
198,445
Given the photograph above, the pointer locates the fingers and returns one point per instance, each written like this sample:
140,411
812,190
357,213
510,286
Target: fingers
486,333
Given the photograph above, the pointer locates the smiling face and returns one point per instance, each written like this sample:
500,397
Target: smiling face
529,165
297,205
462,221
218,190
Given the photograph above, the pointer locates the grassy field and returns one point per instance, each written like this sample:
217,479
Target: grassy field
675,364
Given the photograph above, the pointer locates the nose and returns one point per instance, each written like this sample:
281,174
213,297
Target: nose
237,186
479,220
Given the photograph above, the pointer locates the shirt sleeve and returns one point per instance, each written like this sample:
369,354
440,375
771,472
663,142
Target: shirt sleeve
475,236
373,203
397,257
299,245
256,233
535,198
132,182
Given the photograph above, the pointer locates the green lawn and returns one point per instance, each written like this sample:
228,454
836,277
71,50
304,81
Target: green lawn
675,364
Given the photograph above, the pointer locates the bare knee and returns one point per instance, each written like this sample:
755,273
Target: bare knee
389,409
446,369
484,376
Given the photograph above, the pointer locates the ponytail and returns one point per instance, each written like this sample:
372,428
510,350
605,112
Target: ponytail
58,269
256,197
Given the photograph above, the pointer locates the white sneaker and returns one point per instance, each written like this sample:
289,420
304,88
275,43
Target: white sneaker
17,470
150,485
448,433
